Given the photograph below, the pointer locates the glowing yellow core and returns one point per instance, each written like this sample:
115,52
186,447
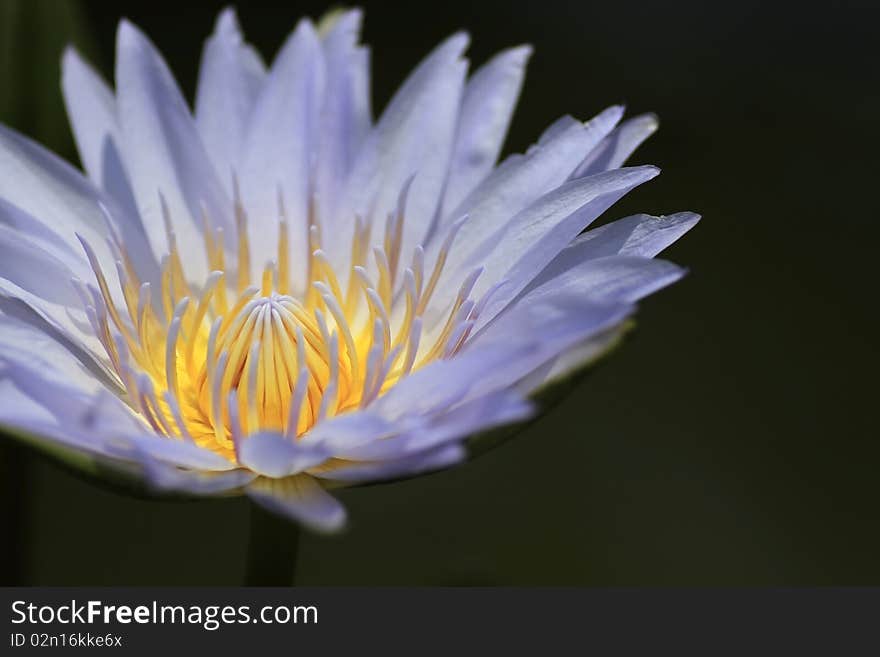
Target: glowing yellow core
228,359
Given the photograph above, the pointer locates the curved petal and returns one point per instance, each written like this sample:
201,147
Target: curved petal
162,477
58,197
279,148
33,269
639,235
616,148
445,425
519,250
63,319
413,137
427,461
273,455
613,279
175,452
553,322
231,76
518,183
346,114
91,108
163,152
486,110
300,498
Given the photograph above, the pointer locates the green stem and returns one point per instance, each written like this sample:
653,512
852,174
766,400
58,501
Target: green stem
272,549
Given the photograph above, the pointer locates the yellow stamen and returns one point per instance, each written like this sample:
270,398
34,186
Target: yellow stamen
215,360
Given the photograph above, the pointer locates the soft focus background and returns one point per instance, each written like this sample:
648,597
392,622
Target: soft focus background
732,440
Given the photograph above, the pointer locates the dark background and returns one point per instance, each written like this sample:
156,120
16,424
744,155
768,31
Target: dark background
731,441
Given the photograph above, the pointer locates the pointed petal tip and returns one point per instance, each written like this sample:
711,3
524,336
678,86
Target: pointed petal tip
348,19
126,31
301,499
611,114
650,120
518,55
130,36
457,43
650,170
687,217
227,22
70,56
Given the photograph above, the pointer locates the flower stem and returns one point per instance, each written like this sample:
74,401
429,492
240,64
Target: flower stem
273,546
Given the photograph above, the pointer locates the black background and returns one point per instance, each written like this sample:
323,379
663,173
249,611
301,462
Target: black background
732,440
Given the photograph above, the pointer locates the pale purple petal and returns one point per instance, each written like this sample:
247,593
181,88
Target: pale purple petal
531,239
413,137
571,360
517,182
164,153
445,425
553,322
279,148
486,110
230,78
639,235
346,114
616,148
350,429
91,108
622,279
170,479
430,460
33,269
300,498
174,451
61,319
274,455
57,196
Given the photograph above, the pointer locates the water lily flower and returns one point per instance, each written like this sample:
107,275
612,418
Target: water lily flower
275,294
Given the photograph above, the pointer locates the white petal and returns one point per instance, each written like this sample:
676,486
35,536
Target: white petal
230,78
279,149
164,153
300,498
487,108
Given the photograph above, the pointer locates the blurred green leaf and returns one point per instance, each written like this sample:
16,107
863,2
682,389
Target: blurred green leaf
33,35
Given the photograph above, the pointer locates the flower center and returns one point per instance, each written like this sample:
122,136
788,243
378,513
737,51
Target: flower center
229,359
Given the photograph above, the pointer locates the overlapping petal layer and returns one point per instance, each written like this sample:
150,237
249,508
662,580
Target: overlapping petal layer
275,294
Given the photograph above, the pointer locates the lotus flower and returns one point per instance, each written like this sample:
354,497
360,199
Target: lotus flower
275,295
